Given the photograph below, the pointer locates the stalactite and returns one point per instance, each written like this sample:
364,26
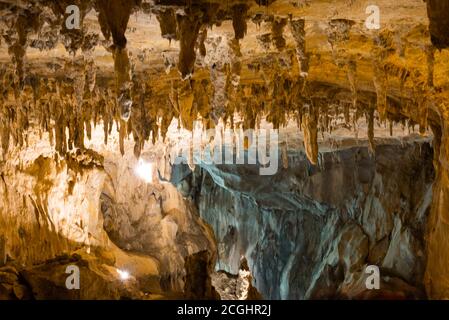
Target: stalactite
167,22
310,129
17,40
239,17
122,136
91,75
323,116
214,98
402,80
4,128
264,41
352,78
104,110
79,133
113,18
284,155
430,55
297,28
423,114
201,39
188,30
60,137
338,31
236,63
185,102
370,120
123,83
380,84
399,42
219,100
346,113
71,121
277,32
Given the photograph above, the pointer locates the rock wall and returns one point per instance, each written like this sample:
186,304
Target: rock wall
314,63
50,204
436,278
310,231
152,219
91,209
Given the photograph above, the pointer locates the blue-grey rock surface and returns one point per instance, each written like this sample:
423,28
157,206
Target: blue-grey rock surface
311,231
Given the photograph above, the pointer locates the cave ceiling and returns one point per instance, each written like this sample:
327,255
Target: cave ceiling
141,64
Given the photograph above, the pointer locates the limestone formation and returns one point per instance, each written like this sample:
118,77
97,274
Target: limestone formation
92,114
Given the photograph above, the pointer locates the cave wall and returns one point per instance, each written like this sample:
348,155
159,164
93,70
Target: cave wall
436,276
152,219
395,75
91,209
313,234
50,205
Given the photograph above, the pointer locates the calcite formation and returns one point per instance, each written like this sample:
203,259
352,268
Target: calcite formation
305,242
81,105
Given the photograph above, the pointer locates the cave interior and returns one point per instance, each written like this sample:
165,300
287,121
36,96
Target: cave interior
234,150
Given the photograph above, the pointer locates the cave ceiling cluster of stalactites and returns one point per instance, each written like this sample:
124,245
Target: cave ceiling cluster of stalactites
141,64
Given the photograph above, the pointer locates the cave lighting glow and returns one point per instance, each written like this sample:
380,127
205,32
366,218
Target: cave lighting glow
144,170
124,275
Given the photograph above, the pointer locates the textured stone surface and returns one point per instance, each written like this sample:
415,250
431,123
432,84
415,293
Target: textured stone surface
314,234
136,67
152,219
236,287
437,282
98,206
98,280
50,205
198,283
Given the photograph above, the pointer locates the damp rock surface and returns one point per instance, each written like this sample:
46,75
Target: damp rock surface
134,75
315,234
